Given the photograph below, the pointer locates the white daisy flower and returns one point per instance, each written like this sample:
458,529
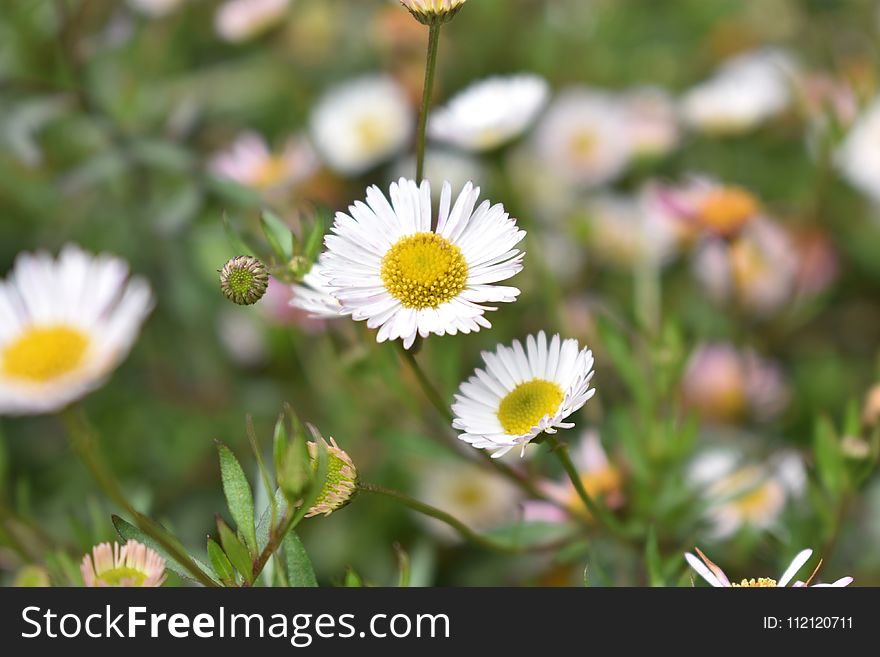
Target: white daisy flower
248,161
315,294
132,564
66,324
361,123
582,137
155,8
716,577
489,113
390,267
523,392
859,157
746,91
240,20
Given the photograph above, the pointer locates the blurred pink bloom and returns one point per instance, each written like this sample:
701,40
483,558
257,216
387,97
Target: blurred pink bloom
248,161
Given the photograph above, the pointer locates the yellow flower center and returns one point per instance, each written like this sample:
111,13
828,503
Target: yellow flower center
424,270
754,503
122,576
372,132
44,353
525,405
270,173
761,582
728,209
582,144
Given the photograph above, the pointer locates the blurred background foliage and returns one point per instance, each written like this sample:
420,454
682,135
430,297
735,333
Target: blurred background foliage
107,118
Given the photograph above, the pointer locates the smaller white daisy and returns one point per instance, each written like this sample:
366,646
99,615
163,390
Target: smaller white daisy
390,265
716,577
361,123
523,392
66,324
489,113
315,294
241,20
248,161
859,157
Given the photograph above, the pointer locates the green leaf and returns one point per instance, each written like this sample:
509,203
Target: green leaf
264,471
352,579
278,234
622,356
653,560
299,567
220,563
315,238
239,498
236,551
403,565
529,534
829,459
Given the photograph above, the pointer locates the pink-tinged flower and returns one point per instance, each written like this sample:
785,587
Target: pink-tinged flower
652,126
133,564
828,99
240,20
871,408
340,484
602,480
716,577
250,162
704,206
818,264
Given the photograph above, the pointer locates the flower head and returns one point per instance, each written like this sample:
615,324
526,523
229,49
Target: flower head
249,162
433,12
490,112
387,265
341,481
244,280
240,20
716,577
133,564
523,392
315,294
67,323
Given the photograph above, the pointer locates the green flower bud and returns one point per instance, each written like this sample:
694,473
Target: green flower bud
244,280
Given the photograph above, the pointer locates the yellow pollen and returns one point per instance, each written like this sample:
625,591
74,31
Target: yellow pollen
43,353
122,576
270,173
525,405
582,144
372,132
761,582
424,270
728,209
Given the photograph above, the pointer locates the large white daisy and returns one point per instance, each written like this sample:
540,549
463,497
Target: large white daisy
523,392
361,123
389,266
490,112
64,325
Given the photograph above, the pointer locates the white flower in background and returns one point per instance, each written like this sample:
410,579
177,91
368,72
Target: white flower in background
624,234
523,392
455,167
859,156
240,20
758,269
155,8
315,294
651,121
248,161
601,479
489,113
361,123
242,335
746,91
67,323
716,577
724,384
482,500
388,266
742,494
582,137
133,564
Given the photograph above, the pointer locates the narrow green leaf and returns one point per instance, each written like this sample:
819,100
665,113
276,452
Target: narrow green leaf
220,562
352,579
653,560
403,566
239,497
278,234
829,459
299,567
264,471
315,238
236,551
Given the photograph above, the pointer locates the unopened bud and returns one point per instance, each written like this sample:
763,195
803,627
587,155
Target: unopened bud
244,280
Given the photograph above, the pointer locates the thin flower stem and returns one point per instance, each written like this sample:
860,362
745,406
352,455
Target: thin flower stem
430,67
463,530
83,440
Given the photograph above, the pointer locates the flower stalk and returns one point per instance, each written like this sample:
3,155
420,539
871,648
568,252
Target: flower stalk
427,92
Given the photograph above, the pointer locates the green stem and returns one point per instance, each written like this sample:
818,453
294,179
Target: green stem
83,440
430,67
463,530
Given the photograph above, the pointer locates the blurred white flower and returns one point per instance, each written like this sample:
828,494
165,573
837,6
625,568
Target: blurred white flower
481,500
523,392
716,577
651,121
582,137
249,162
67,323
747,90
240,20
391,265
455,167
489,113
315,294
859,156
155,8
242,335
361,123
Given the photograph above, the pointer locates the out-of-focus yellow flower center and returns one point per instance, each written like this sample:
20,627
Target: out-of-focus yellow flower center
525,405
424,270
727,209
469,494
761,582
748,265
122,576
372,133
598,484
44,353
270,173
755,502
582,144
